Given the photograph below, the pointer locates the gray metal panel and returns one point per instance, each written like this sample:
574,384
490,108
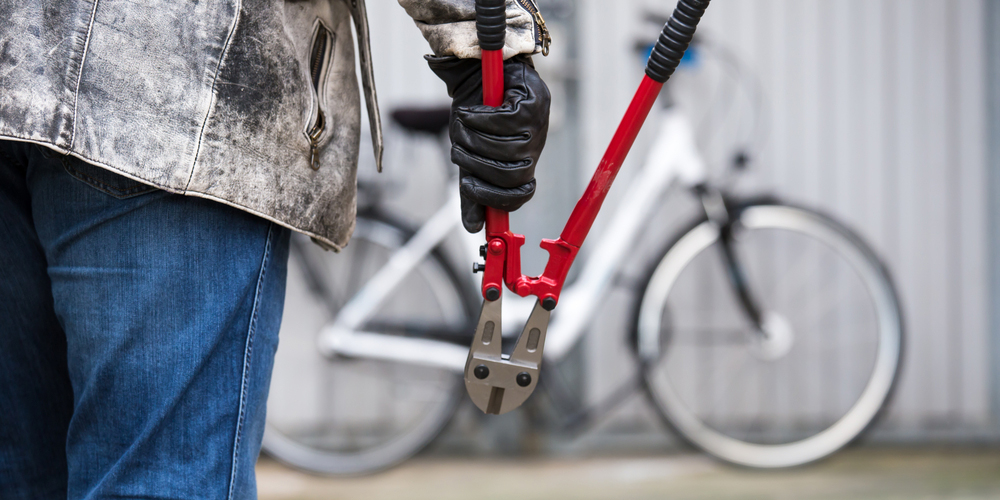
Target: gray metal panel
877,115
992,21
973,253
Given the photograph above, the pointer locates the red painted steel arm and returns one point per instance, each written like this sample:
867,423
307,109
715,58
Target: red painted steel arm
590,203
499,240
503,261
503,258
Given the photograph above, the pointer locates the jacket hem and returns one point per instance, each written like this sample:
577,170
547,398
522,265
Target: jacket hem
324,241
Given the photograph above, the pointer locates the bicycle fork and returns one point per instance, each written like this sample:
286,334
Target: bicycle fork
497,383
718,213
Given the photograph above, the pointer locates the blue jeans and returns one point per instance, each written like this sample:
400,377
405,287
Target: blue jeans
137,335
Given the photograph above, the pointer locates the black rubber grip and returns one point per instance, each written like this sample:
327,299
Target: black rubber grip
674,40
491,23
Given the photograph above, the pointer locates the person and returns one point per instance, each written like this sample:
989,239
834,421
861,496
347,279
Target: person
154,158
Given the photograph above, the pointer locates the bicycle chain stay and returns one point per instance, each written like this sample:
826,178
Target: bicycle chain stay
497,383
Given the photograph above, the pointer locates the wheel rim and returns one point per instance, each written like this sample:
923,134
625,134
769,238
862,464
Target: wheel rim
844,428
358,416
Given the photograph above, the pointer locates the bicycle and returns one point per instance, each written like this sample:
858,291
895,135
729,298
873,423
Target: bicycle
722,340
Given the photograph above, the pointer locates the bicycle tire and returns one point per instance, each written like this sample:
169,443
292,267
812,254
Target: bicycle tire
376,236
730,431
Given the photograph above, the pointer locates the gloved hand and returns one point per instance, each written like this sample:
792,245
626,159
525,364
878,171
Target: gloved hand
496,149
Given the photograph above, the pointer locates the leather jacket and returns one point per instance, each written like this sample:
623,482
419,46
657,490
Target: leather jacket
252,103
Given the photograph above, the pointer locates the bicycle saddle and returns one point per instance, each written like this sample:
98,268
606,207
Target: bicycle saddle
433,120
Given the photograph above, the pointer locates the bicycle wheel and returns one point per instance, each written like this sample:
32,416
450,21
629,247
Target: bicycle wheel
805,384
343,416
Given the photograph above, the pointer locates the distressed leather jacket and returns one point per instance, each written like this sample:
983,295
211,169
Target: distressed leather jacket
252,103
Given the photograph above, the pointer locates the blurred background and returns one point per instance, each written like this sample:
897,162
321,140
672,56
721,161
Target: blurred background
884,113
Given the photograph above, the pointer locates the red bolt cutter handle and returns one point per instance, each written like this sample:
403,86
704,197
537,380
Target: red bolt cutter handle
503,260
497,221
491,25
498,383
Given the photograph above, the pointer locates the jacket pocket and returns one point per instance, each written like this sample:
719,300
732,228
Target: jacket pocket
104,180
320,58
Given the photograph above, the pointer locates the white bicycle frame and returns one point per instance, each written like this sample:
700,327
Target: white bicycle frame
674,157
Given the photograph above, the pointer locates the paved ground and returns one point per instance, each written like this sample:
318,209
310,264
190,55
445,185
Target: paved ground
854,474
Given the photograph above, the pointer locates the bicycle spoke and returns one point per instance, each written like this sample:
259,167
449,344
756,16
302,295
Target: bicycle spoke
790,386
710,336
802,262
365,414
355,271
418,329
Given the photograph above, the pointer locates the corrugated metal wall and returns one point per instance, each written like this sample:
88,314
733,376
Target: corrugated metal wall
993,165
877,113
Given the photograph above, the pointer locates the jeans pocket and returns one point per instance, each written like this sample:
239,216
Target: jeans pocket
104,180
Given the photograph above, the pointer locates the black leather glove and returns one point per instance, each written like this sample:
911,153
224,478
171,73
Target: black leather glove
496,149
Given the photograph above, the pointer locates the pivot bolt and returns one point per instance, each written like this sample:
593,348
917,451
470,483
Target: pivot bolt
492,294
482,251
496,246
523,379
478,268
482,372
549,303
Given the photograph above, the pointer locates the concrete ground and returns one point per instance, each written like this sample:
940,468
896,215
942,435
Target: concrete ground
865,473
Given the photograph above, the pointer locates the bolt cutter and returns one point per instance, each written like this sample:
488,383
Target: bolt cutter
498,383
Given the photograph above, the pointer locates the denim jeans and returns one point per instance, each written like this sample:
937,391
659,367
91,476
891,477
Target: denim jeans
137,334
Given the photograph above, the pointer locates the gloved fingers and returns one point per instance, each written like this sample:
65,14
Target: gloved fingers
507,199
496,148
516,143
473,215
494,170
526,105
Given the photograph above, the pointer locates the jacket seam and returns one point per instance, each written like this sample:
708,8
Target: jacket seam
211,102
79,72
103,186
247,360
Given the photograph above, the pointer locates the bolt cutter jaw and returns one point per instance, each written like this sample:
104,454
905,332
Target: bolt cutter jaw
498,383
495,382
